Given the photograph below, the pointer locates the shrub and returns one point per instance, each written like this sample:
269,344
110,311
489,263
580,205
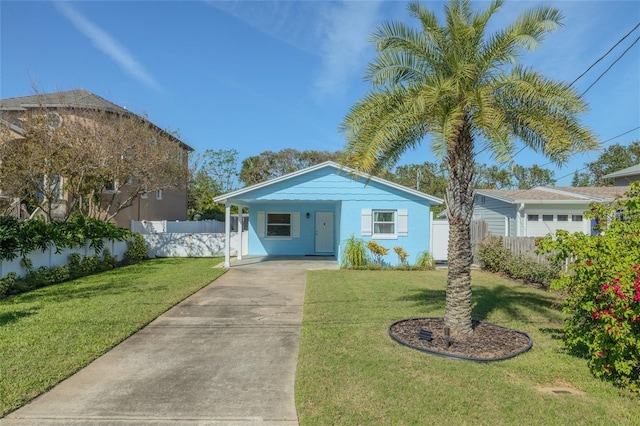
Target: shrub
425,261
402,255
7,284
493,255
377,251
59,274
603,289
108,260
137,249
9,237
75,270
20,238
354,254
37,278
89,264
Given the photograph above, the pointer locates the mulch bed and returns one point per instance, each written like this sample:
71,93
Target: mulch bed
488,342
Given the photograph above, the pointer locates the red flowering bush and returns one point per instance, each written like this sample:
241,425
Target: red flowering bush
602,289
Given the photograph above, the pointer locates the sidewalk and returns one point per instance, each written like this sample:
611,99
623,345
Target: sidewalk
226,355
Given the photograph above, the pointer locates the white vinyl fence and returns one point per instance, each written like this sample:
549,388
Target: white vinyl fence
204,238
49,258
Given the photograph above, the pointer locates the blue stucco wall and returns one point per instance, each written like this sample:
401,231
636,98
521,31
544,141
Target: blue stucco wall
325,190
304,245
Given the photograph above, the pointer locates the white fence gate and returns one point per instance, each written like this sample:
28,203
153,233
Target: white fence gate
439,239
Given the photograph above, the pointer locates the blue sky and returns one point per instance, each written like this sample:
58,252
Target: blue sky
269,75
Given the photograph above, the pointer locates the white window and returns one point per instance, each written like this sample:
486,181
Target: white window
576,218
533,217
384,223
278,224
563,218
547,217
111,186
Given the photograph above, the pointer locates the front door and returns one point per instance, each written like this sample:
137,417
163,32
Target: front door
324,232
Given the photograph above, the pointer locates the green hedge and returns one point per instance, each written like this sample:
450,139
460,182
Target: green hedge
18,238
495,257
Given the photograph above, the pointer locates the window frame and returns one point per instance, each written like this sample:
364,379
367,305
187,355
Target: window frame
394,222
267,224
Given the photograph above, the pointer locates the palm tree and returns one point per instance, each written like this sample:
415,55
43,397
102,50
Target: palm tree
459,86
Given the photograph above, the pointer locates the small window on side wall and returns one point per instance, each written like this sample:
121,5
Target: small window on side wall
547,217
563,218
576,218
533,217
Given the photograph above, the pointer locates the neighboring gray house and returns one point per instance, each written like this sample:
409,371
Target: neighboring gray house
624,177
540,211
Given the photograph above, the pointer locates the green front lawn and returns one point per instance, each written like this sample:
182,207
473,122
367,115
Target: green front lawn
48,334
351,372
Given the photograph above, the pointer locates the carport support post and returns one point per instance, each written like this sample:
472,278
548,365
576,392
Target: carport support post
240,232
227,235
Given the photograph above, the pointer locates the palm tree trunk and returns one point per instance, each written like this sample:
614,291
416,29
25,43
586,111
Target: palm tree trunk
460,193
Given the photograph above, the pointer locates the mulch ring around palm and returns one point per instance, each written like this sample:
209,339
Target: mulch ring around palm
488,342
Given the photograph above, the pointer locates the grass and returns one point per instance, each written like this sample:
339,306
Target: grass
351,372
48,334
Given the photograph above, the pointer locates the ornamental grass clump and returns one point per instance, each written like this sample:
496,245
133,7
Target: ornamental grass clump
603,289
354,253
425,261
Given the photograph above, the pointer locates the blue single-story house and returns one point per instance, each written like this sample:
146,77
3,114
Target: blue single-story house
312,212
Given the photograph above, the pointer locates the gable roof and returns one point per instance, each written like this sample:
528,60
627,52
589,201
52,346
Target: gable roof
224,197
629,171
78,99
556,195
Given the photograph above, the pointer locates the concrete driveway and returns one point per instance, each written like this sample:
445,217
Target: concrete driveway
226,355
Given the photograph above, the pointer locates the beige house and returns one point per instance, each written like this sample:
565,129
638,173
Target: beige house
170,204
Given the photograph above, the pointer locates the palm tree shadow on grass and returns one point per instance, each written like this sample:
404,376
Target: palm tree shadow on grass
512,302
14,316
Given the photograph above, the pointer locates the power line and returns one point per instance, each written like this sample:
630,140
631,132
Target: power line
610,66
585,167
608,140
603,56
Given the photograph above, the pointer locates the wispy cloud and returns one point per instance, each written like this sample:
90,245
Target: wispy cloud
335,31
344,33
108,45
